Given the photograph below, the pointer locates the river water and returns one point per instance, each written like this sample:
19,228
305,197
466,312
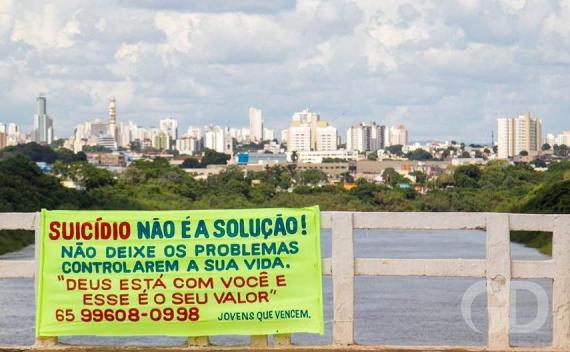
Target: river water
389,310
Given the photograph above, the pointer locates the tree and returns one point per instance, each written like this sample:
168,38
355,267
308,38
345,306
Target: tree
465,154
84,174
346,177
312,177
294,156
372,156
523,153
34,151
212,157
67,156
447,152
395,149
364,190
190,163
538,163
96,149
553,198
392,178
42,153
135,146
467,176
545,147
419,154
23,187
421,178
58,143
560,150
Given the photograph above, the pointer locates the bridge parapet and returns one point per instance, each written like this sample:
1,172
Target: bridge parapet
498,269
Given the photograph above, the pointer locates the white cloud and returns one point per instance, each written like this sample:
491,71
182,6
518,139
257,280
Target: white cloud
435,65
45,29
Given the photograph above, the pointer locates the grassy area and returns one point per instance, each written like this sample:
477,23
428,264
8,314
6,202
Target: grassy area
13,240
539,240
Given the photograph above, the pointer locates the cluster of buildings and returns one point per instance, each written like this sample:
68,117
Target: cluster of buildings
308,139
11,134
522,136
166,136
518,134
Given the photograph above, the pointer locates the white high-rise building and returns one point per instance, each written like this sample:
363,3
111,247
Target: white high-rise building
194,132
327,138
550,138
303,135
398,135
312,120
268,134
161,140
12,134
126,133
188,145
284,136
365,137
43,124
299,139
214,138
518,134
13,129
564,138
170,127
113,118
255,125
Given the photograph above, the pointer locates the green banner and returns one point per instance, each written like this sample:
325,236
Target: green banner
180,273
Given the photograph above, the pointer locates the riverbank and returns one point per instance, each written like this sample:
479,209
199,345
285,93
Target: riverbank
14,240
542,241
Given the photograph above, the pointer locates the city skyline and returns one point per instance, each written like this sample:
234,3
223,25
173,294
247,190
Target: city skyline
444,71
254,119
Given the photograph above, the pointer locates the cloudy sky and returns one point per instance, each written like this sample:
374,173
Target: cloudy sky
446,69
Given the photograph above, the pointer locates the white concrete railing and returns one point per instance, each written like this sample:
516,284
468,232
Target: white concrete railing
498,268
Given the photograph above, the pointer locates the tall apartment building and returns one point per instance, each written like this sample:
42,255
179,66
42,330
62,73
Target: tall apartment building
170,127
564,138
126,133
398,135
43,124
113,118
327,138
11,135
218,139
518,134
268,134
308,132
188,145
365,137
299,139
255,125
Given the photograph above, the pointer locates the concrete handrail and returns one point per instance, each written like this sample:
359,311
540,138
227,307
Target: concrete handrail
498,267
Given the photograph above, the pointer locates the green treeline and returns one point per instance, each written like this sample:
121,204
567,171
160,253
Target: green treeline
150,185
13,240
